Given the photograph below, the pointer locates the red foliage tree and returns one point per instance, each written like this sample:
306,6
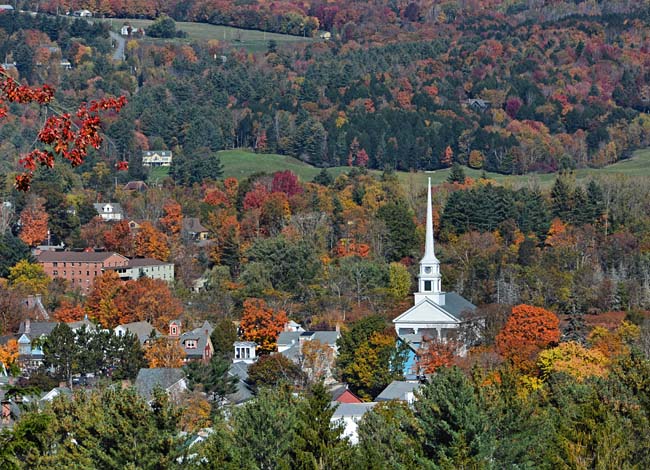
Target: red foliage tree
33,223
286,182
528,330
172,221
63,135
435,354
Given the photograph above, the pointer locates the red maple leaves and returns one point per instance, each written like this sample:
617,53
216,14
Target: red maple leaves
62,135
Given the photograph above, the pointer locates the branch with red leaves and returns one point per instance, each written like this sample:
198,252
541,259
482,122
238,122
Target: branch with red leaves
62,135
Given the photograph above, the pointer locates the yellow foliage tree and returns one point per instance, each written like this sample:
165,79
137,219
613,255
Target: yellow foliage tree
164,352
9,353
28,278
573,359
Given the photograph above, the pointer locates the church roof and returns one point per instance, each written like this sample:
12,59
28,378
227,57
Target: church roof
427,311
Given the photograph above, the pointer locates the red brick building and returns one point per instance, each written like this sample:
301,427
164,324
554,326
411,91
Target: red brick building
79,268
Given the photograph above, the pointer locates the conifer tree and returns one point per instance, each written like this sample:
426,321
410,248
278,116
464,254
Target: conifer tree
457,174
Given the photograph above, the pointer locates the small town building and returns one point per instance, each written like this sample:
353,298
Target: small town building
109,210
193,230
170,380
80,268
145,267
142,329
435,315
399,390
156,158
349,415
197,343
245,352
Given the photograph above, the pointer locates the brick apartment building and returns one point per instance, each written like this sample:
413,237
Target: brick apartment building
79,268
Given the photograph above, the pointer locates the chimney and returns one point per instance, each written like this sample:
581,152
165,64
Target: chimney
338,327
28,326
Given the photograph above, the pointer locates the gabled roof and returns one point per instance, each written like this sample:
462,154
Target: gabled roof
37,328
243,391
201,335
141,329
117,207
287,338
397,390
193,225
427,311
340,390
352,410
163,377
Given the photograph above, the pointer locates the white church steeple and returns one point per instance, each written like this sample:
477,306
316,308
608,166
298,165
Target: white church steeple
429,279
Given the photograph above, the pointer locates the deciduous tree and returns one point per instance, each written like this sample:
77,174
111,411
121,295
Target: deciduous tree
164,352
262,324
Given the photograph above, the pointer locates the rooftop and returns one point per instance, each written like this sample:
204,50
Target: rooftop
75,256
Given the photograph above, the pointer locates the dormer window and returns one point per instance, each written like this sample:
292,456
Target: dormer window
190,344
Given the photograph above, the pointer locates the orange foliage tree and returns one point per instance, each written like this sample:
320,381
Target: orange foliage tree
33,223
164,352
9,353
100,304
528,330
262,324
172,221
435,353
119,238
148,300
151,243
69,311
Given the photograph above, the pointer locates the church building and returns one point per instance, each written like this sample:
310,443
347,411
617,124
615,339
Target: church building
435,315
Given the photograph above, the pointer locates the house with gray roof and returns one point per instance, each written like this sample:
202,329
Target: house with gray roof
30,337
399,390
142,329
243,392
109,210
290,344
156,158
192,229
172,381
197,343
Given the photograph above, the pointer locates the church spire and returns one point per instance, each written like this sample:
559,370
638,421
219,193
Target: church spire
429,253
429,279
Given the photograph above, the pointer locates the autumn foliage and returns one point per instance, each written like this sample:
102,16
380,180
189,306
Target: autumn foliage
164,352
63,134
262,324
9,353
33,223
528,330
436,353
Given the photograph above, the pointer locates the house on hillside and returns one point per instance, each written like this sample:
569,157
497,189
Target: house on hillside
193,230
156,158
245,352
109,210
30,344
172,381
435,315
342,394
145,267
243,392
142,329
291,343
82,13
197,343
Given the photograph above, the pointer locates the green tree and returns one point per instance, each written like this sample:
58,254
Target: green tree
456,427
561,202
223,337
213,377
61,352
273,370
390,437
457,174
266,430
318,443
12,250
401,229
162,27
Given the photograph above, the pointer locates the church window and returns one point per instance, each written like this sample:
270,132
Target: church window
427,286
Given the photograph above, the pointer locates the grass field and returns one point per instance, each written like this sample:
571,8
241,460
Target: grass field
252,40
242,163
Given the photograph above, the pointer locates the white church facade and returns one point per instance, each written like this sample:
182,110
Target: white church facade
435,315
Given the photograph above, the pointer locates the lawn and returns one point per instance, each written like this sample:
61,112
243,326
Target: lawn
252,40
242,163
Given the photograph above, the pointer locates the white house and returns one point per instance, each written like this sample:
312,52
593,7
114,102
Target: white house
82,13
435,314
156,158
109,210
146,267
349,415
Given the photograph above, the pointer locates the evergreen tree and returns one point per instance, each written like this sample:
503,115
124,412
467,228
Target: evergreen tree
213,377
61,351
457,174
595,201
562,205
456,427
401,229
581,213
318,441
223,336
323,178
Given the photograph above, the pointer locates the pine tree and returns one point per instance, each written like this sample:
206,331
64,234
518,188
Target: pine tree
595,201
457,174
561,199
323,178
318,443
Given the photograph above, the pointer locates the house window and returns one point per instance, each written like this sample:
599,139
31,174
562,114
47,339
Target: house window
427,286
190,344
173,330
55,273
55,264
248,353
237,353
87,273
